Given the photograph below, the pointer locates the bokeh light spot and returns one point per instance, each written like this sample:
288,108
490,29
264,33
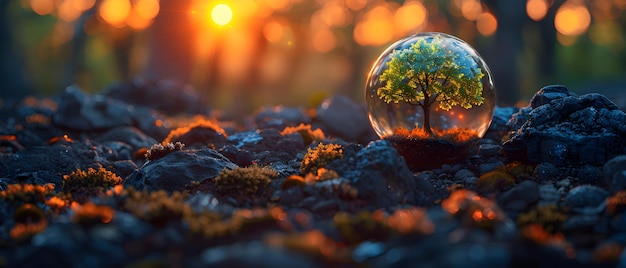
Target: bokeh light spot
115,12
324,41
221,14
471,9
486,24
411,16
537,9
273,31
42,7
572,19
147,9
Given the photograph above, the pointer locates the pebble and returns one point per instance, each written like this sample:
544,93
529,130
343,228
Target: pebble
614,173
585,197
484,168
548,194
488,150
546,171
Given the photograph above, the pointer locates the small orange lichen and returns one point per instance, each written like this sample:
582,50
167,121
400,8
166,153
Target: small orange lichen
411,220
308,135
27,192
319,157
38,119
25,231
314,243
116,190
473,209
537,234
293,181
455,135
495,180
616,203
56,203
175,134
160,150
99,179
90,214
57,139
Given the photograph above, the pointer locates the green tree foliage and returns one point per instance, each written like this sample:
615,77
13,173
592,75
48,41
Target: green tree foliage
430,71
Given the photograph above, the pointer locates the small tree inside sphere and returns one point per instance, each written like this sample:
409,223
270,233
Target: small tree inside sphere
431,71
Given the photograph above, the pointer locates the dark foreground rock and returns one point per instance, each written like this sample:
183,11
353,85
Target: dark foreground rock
560,128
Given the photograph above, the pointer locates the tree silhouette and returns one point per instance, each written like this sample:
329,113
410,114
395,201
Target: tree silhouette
430,71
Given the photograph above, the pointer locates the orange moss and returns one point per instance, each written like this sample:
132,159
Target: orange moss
308,135
90,214
317,158
92,178
27,192
455,135
537,234
57,139
175,134
495,180
56,203
550,217
473,209
293,181
313,243
377,225
25,231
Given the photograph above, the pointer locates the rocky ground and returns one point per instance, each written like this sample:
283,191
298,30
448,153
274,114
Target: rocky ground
133,178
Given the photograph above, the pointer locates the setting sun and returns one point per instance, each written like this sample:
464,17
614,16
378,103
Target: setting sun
222,14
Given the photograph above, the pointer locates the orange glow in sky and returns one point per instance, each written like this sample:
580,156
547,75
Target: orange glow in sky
572,19
221,14
537,9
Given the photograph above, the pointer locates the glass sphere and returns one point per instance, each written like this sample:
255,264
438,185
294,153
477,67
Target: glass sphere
430,94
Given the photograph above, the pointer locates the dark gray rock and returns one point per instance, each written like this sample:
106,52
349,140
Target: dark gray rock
177,169
562,128
546,171
488,150
498,127
129,135
463,174
484,168
614,173
382,177
585,197
81,112
280,117
520,197
167,96
589,174
342,117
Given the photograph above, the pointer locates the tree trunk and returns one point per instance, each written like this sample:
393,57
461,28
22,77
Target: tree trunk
426,108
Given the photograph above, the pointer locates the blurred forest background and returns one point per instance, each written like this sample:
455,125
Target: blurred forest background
251,53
